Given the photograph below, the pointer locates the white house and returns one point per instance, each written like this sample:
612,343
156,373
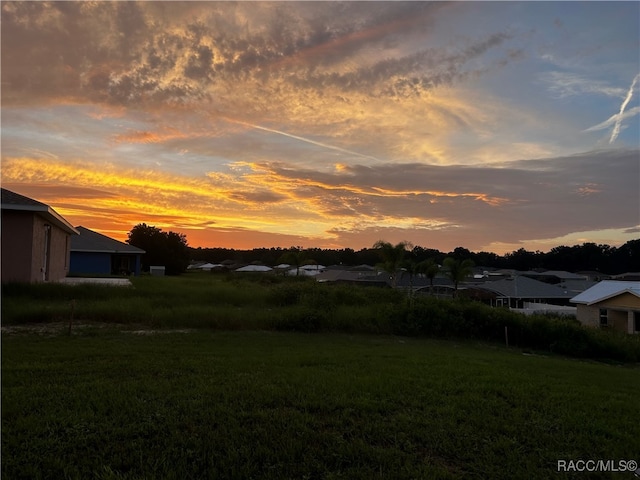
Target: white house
610,304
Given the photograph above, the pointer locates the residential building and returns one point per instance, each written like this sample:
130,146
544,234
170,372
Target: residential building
35,240
95,254
610,304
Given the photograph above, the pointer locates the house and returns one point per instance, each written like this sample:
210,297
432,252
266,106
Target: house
355,275
628,276
518,292
254,268
35,240
95,254
206,266
610,304
554,277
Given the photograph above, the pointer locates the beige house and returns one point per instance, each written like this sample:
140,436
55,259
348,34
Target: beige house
35,240
610,304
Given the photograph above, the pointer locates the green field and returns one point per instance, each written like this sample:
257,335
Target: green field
110,404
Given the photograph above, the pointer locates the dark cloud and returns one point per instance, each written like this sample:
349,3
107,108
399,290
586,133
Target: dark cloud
257,197
522,200
45,192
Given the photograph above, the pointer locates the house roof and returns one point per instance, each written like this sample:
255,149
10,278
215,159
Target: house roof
254,268
605,290
90,241
561,274
365,278
524,287
205,266
362,268
15,201
629,276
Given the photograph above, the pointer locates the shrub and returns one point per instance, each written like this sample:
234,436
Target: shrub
287,294
473,320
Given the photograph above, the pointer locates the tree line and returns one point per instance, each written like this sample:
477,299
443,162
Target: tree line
588,256
171,249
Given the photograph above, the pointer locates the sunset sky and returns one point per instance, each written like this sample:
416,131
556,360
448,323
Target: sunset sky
488,125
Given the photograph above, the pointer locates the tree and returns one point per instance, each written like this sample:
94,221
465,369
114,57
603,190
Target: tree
295,257
177,259
169,249
392,256
430,269
457,270
626,258
522,259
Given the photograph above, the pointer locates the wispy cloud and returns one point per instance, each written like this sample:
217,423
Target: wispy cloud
568,84
335,122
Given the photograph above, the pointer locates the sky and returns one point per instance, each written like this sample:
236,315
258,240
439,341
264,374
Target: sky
492,126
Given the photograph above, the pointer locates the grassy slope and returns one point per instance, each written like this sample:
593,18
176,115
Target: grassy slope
284,405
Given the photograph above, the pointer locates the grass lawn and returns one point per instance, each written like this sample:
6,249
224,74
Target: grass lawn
110,405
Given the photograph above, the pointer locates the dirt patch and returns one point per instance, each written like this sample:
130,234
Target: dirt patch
62,328
114,282
155,332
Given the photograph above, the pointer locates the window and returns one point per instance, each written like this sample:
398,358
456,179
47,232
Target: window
604,320
636,322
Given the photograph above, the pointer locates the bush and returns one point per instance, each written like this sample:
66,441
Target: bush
287,294
473,320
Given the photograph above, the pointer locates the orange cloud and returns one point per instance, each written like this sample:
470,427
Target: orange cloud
253,197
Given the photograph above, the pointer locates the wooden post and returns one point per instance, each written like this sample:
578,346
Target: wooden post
73,308
506,336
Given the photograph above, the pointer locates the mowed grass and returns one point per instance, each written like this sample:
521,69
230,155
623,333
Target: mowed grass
279,405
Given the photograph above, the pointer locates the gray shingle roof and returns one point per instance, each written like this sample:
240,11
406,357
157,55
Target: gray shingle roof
561,274
90,241
15,201
524,287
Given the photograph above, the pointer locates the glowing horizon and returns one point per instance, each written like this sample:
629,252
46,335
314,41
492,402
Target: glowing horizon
490,126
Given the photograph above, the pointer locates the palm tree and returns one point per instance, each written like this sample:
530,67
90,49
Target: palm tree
294,257
392,256
457,271
430,269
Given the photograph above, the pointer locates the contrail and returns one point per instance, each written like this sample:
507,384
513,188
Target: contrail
613,119
616,128
302,139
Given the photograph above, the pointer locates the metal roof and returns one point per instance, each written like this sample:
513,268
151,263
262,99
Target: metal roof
606,289
94,242
15,201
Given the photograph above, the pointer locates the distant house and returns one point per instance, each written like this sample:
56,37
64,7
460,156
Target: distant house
361,275
517,292
610,304
35,240
95,254
254,268
554,277
206,267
